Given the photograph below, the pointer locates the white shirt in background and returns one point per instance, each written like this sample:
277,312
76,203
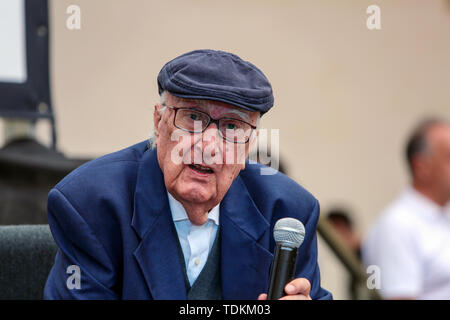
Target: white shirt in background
411,245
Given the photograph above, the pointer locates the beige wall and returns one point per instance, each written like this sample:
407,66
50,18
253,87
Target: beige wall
345,97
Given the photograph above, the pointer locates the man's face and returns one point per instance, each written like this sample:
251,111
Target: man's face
204,186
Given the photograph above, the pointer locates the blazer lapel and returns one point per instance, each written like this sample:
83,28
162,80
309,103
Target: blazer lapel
157,253
245,264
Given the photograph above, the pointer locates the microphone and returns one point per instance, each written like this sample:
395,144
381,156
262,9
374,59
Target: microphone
289,234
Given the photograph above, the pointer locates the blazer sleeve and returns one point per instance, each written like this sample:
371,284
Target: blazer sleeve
82,268
307,265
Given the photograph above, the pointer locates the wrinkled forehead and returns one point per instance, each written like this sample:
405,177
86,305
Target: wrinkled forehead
216,109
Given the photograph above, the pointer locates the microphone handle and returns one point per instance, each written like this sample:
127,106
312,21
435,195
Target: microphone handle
282,271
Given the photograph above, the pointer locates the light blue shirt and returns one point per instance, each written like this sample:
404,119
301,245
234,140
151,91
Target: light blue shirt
196,241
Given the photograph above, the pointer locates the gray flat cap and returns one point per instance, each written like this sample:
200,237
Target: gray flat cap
217,75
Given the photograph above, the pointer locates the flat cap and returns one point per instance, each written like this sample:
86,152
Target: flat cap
217,75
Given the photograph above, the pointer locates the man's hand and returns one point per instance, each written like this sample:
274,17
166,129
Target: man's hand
297,289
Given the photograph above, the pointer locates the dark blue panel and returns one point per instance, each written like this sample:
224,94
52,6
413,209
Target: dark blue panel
22,100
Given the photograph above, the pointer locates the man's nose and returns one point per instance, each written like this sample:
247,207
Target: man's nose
211,138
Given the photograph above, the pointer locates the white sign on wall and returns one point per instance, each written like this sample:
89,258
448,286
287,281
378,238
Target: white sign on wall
13,62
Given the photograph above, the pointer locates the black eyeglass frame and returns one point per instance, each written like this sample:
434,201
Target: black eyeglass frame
211,120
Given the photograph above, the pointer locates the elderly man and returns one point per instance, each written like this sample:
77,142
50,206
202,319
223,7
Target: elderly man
410,241
184,216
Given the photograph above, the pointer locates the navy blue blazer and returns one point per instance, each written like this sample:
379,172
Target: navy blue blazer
111,218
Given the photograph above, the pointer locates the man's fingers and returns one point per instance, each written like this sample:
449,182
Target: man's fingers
296,297
262,296
297,289
298,286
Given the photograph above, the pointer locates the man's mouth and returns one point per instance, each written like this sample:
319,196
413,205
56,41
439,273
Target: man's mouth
200,168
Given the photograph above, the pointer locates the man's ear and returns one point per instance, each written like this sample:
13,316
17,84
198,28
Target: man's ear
157,117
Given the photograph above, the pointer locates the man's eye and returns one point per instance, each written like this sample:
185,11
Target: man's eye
193,116
230,126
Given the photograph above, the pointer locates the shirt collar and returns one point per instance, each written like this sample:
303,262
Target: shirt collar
179,213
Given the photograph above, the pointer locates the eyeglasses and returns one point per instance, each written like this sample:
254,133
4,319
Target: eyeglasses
195,121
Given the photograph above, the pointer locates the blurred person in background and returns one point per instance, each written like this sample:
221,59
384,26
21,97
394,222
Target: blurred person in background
410,242
341,221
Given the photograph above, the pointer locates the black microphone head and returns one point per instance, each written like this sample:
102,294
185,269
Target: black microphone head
289,232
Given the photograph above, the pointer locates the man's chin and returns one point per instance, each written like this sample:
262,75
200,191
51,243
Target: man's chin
195,194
